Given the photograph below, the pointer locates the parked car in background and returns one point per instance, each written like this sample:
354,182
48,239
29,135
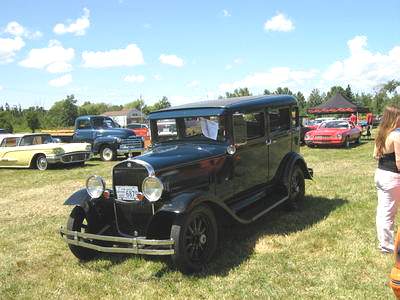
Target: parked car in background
227,159
39,151
336,132
107,138
313,124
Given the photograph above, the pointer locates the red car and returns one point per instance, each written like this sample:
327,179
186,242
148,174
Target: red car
335,132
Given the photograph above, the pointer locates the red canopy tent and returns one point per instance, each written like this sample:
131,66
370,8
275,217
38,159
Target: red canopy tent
337,105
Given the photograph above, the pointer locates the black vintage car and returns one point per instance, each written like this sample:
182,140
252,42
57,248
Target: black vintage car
225,159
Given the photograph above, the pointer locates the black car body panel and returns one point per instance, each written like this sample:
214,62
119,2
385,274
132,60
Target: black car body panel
234,156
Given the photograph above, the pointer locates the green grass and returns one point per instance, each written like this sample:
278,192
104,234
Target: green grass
326,249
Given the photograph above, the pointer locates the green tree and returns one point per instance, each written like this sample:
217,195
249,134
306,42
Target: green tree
63,113
161,104
267,92
238,93
348,93
32,118
137,104
283,91
334,90
5,122
301,101
315,98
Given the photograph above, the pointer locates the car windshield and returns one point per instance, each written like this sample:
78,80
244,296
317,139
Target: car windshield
190,128
104,123
335,124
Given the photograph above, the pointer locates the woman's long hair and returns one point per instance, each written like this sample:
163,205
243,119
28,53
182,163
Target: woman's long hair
388,124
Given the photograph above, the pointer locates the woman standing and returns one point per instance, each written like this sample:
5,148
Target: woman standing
387,176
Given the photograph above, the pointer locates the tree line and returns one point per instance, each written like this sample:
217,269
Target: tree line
64,112
386,94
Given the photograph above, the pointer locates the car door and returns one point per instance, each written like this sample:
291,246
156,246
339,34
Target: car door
84,131
251,163
279,137
8,152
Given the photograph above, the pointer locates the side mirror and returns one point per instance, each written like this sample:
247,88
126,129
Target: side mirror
239,129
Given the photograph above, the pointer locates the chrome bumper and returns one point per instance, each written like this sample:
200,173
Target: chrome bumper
69,158
126,151
124,245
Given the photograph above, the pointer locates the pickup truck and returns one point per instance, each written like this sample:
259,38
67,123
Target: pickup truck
108,139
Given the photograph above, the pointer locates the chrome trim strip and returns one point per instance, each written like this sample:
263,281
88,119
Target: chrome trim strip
135,245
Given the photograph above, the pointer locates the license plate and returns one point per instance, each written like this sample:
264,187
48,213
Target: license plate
127,192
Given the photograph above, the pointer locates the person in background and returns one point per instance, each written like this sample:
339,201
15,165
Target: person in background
387,176
353,118
370,119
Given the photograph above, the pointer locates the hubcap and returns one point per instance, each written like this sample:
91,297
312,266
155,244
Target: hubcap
107,153
196,238
42,163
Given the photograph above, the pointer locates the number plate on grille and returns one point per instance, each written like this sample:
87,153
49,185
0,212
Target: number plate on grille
127,192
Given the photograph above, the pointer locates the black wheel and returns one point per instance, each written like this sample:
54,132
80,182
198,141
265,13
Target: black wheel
296,187
358,140
195,235
107,153
346,143
77,221
41,162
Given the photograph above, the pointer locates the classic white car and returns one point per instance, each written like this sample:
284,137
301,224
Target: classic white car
36,150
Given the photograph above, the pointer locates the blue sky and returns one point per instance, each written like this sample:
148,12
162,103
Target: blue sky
118,50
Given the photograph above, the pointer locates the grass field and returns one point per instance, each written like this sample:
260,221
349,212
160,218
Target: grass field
327,249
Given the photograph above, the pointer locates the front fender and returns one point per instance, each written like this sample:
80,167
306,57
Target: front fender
80,198
104,140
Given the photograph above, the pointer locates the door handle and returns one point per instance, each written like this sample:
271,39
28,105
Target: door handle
269,142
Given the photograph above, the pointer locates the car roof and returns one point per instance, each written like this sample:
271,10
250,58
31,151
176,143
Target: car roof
19,135
221,106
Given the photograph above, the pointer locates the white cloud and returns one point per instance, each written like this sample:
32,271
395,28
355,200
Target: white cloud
130,56
16,29
193,84
236,61
279,23
226,13
61,81
78,27
55,58
157,77
363,69
1,88
134,78
9,48
171,59
279,76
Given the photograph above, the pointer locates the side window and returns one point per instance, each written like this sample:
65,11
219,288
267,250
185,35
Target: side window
295,117
279,119
255,125
84,124
9,142
27,140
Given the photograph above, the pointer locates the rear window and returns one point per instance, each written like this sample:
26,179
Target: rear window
10,142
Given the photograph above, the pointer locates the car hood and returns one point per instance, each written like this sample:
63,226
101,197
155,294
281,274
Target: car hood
173,155
327,131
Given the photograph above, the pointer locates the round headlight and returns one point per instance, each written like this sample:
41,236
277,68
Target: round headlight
152,188
95,186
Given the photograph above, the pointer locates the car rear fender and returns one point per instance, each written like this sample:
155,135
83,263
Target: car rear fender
289,161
